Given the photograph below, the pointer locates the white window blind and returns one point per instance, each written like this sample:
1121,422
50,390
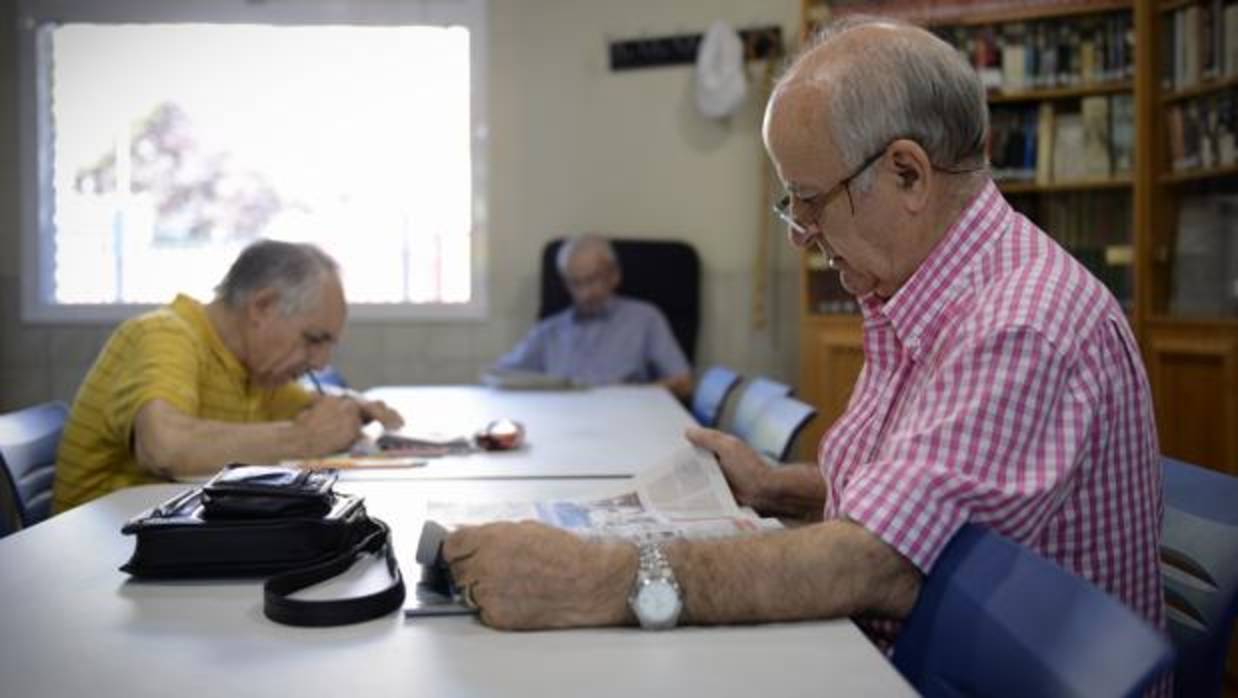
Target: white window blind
164,137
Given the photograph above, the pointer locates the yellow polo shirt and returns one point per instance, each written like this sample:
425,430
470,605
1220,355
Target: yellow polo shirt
171,354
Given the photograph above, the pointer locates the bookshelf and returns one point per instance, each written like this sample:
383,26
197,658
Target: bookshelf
1190,265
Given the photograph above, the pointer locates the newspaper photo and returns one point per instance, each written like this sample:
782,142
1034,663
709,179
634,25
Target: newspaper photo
685,496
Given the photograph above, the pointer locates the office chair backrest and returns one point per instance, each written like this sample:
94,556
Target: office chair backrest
10,508
1199,565
752,400
666,273
711,393
996,619
778,424
28,441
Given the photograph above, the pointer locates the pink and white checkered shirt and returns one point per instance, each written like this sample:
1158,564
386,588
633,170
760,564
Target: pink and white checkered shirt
1002,385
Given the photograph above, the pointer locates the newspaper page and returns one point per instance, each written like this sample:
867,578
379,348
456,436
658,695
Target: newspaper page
686,496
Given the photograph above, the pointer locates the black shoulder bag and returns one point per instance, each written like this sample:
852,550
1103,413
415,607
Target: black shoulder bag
252,521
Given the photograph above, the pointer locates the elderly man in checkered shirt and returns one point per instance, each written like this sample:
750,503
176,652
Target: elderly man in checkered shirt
1001,382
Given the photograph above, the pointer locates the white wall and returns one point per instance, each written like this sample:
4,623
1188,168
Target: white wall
574,147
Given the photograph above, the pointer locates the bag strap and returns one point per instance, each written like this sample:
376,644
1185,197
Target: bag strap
280,608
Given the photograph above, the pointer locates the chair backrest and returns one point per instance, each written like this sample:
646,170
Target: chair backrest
10,508
28,441
778,424
755,395
666,273
996,619
1199,565
711,393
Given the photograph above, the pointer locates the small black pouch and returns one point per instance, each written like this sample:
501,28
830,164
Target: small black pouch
264,491
258,521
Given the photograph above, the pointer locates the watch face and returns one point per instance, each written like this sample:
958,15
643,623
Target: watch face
658,602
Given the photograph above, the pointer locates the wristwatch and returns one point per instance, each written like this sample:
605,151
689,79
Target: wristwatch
656,598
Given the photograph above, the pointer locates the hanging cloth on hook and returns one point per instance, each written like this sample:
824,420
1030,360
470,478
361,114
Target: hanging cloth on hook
720,81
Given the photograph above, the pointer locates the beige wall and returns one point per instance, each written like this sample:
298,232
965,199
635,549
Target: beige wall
573,147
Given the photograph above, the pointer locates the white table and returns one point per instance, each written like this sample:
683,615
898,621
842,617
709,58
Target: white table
74,625
595,432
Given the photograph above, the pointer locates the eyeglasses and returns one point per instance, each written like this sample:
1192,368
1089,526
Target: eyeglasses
782,209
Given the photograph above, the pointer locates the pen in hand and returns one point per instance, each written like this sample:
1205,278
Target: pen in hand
314,379
353,395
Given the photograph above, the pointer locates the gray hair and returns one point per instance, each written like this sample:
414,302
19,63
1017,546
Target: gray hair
912,85
295,270
585,243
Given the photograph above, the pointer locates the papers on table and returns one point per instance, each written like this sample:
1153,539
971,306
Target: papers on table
685,496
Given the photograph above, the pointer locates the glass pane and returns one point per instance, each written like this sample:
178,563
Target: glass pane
176,145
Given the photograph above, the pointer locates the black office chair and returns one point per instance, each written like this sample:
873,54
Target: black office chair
666,273
752,399
711,393
995,619
779,422
1199,564
28,442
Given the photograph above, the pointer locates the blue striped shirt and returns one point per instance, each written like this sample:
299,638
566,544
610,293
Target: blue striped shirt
630,341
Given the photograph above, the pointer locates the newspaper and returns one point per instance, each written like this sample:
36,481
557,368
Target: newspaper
685,496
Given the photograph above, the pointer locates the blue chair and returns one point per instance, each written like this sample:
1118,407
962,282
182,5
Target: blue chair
711,393
777,426
28,442
10,508
752,400
996,619
1199,566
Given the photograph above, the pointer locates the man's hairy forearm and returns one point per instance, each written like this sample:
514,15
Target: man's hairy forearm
826,570
796,490
172,444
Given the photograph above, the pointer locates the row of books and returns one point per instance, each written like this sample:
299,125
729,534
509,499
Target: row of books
1199,42
1046,143
1202,132
1058,53
936,12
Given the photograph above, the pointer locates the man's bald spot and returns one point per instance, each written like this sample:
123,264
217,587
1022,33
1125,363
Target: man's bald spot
838,55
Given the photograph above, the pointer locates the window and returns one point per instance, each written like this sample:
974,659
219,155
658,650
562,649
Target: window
160,138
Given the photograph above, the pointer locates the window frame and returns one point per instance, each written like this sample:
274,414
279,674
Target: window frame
35,174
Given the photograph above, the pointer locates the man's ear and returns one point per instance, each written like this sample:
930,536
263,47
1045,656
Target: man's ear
262,305
913,170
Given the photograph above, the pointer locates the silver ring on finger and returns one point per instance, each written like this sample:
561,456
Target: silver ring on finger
466,597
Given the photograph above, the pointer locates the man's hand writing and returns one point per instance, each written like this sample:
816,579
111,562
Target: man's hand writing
378,410
329,424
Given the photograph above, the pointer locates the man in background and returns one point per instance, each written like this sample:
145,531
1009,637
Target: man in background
603,338
189,388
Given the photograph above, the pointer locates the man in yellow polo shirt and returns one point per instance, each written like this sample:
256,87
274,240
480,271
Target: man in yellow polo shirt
188,388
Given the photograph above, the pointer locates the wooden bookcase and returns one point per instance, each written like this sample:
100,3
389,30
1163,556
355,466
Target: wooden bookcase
1192,357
